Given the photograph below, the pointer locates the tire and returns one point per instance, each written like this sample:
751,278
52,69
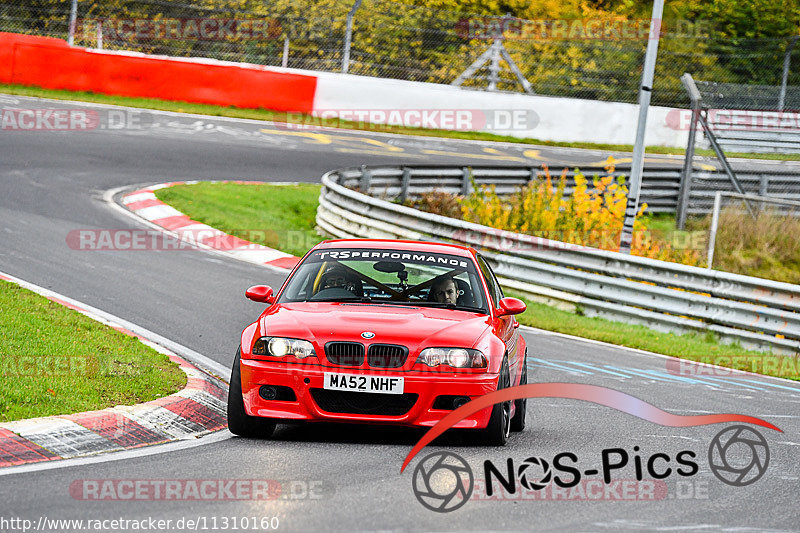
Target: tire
521,405
239,422
499,427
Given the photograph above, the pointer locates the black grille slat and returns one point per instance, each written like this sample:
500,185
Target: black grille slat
387,355
361,403
345,353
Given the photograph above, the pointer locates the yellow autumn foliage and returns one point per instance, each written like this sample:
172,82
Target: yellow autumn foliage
592,215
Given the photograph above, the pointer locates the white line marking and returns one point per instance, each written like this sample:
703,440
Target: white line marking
62,437
642,374
682,379
561,367
596,368
205,399
160,420
211,438
257,256
188,231
158,211
733,382
138,197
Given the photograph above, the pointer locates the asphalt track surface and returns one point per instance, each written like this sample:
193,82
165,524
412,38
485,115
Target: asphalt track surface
51,183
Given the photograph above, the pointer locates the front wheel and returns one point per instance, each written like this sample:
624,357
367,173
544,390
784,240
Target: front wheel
499,427
521,405
239,422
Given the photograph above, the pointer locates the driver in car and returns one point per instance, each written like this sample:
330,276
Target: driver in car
445,291
338,278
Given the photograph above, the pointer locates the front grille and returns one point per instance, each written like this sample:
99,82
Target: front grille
387,355
345,353
362,403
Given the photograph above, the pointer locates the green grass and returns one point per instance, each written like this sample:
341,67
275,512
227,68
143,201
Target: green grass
767,247
57,361
281,217
704,348
690,345
266,114
229,206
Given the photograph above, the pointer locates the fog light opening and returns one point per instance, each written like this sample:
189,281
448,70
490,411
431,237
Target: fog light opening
268,392
458,401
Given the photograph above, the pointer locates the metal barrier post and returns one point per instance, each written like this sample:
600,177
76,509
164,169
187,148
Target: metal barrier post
712,235
285,58
348,37
685,190
366,179
73,18
786,61
466,173
637,163
404,185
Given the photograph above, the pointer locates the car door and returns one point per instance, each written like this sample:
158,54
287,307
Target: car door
507,327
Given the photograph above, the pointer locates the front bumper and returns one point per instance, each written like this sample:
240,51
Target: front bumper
302,380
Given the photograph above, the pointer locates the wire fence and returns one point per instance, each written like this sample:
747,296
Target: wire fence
754,235
722,95
591,59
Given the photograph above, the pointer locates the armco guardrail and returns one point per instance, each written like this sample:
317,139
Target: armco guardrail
660,185
739,130
667,296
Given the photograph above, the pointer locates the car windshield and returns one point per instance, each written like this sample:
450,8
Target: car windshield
394,277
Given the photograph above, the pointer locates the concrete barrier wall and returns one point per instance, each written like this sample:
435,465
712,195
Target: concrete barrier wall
51,63
559,119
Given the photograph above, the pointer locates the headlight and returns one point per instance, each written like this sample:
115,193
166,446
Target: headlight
455,357
281,347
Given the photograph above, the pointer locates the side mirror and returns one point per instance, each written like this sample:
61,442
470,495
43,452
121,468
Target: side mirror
260,293
511,306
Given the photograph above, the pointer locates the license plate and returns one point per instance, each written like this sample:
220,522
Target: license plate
363,383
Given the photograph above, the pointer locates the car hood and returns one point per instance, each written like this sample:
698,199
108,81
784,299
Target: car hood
413,327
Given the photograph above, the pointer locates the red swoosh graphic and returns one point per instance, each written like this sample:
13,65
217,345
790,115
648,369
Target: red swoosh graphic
575,391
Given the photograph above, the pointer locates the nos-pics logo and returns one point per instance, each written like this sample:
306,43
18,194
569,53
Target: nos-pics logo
443,481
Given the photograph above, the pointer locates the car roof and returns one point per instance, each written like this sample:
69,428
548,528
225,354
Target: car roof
412,246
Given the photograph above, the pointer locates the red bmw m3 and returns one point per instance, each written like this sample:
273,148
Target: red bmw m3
381,332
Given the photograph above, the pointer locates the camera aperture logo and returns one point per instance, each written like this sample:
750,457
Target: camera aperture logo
738,456
443,482
527,469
